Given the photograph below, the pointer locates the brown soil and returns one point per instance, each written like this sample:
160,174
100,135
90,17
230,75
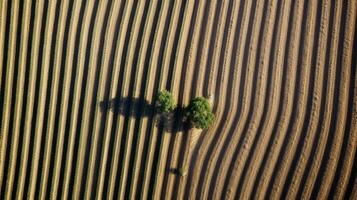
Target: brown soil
78,81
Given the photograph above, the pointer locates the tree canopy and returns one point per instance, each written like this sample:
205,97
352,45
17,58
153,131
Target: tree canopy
164,102
199,113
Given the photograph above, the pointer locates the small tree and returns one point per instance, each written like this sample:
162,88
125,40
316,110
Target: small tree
199,113
182,171
164,102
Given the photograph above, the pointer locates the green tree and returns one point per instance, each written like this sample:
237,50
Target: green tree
199,113
164,102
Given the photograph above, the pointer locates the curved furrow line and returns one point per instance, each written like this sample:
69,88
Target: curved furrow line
129,76
341,105
18,86
204,71
351,192
159,136
351,188
167,129
102,75
79,79
234,105
204,48
20,64
296,122
30,102
192,52
9,62
114,123
260,75
120,66
301,91
35,138
341,181
314,105
108,97
163,136
87,87
42,98
3,30
345,166
271,156
156,129
150,92
215,67
98,30
240,42
216,60
84,37
221,17
136,96
137,101
209,44
179,142
249,73
44,138
230,80
56,54
354,193
251,48
132,103
179,61
269,117
171,136
3,57
65,80
144,124
310,174
104,120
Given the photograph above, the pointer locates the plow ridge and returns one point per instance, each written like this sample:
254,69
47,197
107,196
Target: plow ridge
79,79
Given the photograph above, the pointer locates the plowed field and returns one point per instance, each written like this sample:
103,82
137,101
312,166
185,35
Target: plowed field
78,80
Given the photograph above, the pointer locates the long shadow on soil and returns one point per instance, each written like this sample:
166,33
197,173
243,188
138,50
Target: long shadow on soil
129,107
139,108
120,105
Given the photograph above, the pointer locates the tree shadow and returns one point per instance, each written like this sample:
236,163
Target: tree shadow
172,122
174,171
127,106
182,172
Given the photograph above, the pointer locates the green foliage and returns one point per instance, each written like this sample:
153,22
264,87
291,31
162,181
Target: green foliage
199,113
182,171
164,102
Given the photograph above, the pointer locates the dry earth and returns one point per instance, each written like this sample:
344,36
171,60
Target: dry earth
78,80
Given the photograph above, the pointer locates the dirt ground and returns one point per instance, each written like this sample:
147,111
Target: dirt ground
78,81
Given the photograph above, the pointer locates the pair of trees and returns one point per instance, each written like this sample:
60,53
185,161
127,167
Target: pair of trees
198,112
